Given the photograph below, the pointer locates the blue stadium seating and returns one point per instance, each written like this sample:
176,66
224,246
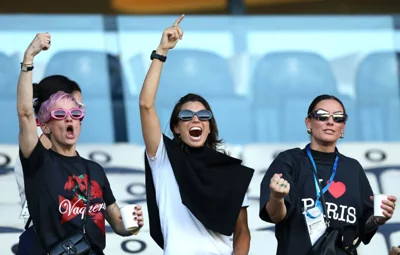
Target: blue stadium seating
377,89
284,84
9,72
206,74
90,69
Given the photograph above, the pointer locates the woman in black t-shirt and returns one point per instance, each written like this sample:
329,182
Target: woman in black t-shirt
290,190
57,180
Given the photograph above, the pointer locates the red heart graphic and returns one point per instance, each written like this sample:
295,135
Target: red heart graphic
337,189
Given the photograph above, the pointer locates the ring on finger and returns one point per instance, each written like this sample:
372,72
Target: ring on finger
283,185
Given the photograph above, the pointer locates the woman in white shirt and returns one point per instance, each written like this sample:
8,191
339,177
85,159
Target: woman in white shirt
196,195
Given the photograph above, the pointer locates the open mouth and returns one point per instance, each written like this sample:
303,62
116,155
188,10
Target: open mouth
195,133
70,131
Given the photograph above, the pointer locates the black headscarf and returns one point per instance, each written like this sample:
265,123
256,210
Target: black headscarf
212,186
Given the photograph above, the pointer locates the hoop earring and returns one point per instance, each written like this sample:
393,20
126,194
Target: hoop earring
309,131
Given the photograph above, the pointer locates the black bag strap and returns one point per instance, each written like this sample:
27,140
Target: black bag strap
87,198
350,249
84,216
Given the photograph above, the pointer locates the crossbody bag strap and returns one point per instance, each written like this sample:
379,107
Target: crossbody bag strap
84,217
87,198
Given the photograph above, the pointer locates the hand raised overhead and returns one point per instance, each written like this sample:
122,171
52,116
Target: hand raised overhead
171,35
39,43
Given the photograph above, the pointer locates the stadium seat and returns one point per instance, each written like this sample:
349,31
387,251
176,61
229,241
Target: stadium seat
8,98
284,84
206,74
377,90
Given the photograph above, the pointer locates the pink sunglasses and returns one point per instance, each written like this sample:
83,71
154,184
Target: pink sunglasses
60,114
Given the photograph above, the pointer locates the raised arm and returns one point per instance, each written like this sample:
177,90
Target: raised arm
276,197
27,125
150,123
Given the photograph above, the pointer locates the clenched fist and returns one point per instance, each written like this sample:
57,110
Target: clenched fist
39,43
279,187
171,35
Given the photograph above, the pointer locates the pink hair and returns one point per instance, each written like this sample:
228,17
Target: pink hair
47,106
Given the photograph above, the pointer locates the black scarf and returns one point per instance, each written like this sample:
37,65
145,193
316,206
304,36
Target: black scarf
212,186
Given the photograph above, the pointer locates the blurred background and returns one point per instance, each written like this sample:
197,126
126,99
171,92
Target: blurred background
258,62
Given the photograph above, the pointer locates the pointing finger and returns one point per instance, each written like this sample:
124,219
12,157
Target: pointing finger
176,23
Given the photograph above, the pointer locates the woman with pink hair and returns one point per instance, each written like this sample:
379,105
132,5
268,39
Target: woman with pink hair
68,197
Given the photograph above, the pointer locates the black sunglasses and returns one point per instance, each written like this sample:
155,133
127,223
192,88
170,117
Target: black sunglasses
187,115
324,116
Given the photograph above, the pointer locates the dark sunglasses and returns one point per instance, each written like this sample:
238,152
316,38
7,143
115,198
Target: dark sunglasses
187,115
324,116
60,114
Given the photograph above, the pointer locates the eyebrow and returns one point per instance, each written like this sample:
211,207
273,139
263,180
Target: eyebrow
321,109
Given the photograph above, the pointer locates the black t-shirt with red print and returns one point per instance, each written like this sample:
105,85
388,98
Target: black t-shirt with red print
55,187
347,199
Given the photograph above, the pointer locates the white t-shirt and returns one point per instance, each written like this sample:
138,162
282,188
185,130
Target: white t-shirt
183,233
19,176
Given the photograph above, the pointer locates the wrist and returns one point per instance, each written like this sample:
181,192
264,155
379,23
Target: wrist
276,199
28,59
379,220
161,51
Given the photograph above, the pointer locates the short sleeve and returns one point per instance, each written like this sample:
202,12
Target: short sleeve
368,207
108,195
159,159
32,164
245,203
277,166
19,176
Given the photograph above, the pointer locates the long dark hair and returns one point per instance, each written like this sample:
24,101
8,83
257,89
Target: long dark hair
212,140
320,98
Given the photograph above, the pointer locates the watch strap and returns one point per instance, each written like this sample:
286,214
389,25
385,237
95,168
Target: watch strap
26,68
155,55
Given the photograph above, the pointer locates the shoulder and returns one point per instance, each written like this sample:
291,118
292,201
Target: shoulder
92,165
290,155
350,161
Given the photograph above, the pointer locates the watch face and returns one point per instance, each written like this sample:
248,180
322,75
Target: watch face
27,68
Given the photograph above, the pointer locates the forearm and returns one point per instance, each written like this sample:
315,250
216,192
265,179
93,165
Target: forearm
25,90
371,225
276,209
241,242
150,85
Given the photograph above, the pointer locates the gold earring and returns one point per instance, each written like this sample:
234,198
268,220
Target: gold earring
309,130
341,135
